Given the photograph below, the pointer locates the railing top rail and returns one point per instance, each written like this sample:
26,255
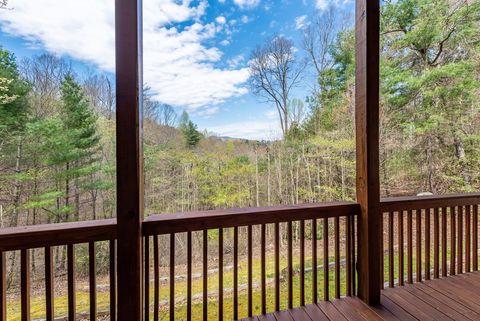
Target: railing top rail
392,204
35,236
201,220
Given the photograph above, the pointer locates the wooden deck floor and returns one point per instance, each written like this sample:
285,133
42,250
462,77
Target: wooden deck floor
450,298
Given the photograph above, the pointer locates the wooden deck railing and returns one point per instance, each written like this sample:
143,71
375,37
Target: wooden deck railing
334,218
424,237
249,220
25,239
438,233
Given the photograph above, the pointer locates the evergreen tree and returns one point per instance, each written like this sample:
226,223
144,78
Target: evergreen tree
13,117
189,130
81,153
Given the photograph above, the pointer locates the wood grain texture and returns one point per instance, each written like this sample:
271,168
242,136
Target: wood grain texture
92,283
450,298
129,157
196,221
36,236
49,284
71,284
25,285
3,287
113,279
367,49
433,201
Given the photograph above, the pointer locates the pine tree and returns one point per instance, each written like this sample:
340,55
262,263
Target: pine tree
81,157
189,130
13,116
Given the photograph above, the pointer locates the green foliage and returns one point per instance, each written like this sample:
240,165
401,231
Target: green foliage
189,129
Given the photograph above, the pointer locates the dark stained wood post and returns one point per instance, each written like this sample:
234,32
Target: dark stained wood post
128,44
367,138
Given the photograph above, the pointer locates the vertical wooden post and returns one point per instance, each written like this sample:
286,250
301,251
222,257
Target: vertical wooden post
128,44
367,141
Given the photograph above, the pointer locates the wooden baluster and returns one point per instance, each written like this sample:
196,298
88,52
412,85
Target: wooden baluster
220,274
427,243
156,279
336,223
453,255
460,240
354,255
400,249
418,247
325,261
205,275
444,241
391,267
113,281
263,269
49,285
71,282
409,247
92,280
302,263
382,254
189,275
290,265
235,273
436,243
468,238
25,284
277,267
348,255
146,275
3,287
314,262
475,238
172,277
250,271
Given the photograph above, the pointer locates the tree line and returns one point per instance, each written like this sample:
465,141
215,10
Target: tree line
57,129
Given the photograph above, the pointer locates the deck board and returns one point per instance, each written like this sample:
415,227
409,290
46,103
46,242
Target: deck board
449,298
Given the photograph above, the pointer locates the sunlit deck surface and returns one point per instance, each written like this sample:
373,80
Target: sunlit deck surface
450,298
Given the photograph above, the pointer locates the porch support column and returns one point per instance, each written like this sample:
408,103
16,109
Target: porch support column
367,144
128,44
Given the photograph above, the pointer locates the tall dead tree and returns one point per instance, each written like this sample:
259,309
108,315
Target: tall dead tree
318,38
274,72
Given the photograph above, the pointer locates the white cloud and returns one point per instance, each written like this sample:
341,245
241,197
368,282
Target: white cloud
207,112
221,20
247,4
235,61
261,130
245,19
225,42
178,66
324,4
300,22
271,114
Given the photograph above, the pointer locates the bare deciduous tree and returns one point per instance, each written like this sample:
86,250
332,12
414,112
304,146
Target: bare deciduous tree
99,89
154,110
167,116
274,72
318,38
44,73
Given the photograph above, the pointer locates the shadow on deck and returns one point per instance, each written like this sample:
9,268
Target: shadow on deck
450,298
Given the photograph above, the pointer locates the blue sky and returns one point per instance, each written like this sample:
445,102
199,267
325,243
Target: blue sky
195,52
